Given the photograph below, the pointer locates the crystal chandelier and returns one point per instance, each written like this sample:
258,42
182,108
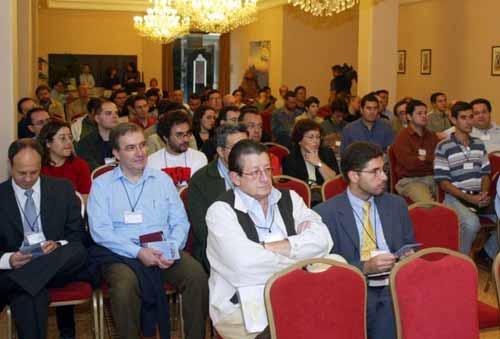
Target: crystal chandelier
162,22
323,7
217,16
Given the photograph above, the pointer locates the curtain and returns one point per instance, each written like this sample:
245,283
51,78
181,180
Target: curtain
224,63
167,67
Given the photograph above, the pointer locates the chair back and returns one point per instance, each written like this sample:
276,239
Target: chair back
183,193
335,299
82,203
435,225
494,158
495,270
333,187
291,183
278,150
102,169
393,179
266,120
434,293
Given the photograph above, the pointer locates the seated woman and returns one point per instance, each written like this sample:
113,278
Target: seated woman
59,159
203,125
308,160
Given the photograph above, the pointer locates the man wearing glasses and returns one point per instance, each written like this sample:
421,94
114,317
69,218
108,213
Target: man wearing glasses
254,231
176,159
368,226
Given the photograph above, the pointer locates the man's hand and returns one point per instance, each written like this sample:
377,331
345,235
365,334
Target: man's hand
18,259
475,199
150,257
48,246
164,263
304,225
280,247
379,263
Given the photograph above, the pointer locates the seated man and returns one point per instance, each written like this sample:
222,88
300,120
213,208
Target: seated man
23,106
206,186
462,168
124,204
439,115
78,107
311,106
283,119
227,115
141,112
367,226
36,210
176,159
95,148
85,124
414,150
52,106
37,117
484,128
254,231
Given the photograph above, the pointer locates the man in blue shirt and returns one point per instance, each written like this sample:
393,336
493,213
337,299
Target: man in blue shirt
369,128
134,200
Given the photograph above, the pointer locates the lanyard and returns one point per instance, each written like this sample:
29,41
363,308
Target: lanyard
466,152
30,225
132,207
375,241
271,225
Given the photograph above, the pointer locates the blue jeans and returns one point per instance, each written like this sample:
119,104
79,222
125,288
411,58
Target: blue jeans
468,220
491,246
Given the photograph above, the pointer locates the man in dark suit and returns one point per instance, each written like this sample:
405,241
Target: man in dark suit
36,210
368,226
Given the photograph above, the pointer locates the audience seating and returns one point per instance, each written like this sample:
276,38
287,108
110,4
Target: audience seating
434,293
102,169
393,177
333,187
291,183
494,158
336,299
278,150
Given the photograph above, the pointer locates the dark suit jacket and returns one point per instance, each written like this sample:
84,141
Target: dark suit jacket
338,216
205,187
60,213
295,165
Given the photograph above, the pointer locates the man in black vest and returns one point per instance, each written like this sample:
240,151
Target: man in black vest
255,231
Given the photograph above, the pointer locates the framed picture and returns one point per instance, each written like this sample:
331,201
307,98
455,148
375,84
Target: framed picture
402,61
425,61
495,60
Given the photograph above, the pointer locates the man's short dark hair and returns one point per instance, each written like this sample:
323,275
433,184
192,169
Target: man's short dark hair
152,92
242,148
458,107
120,130
41,88
169,120
212,91
298,88
247,109
382,91
20,144
434,96
118,91
399,104
138,98
357,155
338,105
311,100
337,68
99,104
262,90
140,85
166,106
223,112
222,132
93,104
368,98
194,96
481,101
289,94
412,104
21,102
302,127
30,113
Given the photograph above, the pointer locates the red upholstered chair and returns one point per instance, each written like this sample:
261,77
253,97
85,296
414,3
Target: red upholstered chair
335,305
434,293
278,150
291,183
333,187
394,178
494,158
102,169
183,192
266,121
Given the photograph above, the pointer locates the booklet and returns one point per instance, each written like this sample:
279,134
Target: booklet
168,248
403,250
35,249
253,307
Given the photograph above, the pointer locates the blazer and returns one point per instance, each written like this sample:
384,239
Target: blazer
338,216
295,165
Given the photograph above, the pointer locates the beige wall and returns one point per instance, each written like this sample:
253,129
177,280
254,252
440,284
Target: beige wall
97,32
460,34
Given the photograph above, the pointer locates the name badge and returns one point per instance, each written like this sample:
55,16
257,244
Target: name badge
468,166
35,238
485,137
108,161
422,152
130,217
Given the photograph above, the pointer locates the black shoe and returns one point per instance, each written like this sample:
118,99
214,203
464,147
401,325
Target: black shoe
483,260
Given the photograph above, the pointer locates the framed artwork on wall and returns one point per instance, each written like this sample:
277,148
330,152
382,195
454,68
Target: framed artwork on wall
402,61
495,60
425,61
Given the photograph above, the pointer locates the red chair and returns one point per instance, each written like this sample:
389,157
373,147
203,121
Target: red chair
434,293
266,121
102,169
394,178
291,183
333,187
494,158
336,299
183,192
278,150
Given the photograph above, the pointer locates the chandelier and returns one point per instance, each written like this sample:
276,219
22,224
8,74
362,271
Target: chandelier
217,16
323,7
162,22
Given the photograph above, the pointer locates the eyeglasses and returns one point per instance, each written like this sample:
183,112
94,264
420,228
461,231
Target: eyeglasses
268,171
376,172
181,135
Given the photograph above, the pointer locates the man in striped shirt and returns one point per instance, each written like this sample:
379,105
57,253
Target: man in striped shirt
461,168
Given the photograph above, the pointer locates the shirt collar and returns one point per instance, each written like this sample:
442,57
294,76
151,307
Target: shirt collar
357,202
245,203
485,131
118,175
20,191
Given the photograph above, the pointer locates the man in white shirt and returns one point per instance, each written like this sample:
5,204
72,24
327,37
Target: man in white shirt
176,159
255,231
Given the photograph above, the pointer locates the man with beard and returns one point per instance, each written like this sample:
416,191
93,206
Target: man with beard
176,159
368,226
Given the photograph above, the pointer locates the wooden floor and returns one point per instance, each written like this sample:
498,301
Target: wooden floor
84,324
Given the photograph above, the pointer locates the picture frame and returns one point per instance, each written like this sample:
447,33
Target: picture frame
425,61
401,61
495,60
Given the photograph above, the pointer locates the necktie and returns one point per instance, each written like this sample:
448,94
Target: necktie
368,240
30,214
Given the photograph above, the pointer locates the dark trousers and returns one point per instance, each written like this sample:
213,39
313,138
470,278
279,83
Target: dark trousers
379,314
186,275
30,311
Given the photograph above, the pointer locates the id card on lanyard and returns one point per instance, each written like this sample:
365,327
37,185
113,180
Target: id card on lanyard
133,216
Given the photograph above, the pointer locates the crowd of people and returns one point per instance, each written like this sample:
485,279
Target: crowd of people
240,228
